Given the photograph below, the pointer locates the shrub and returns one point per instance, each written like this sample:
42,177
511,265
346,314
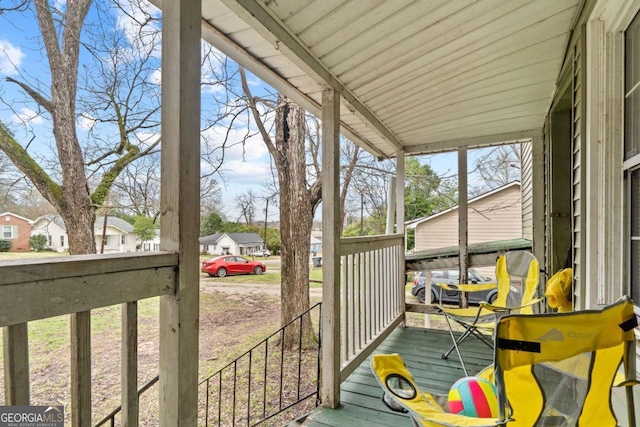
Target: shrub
5,245
38,243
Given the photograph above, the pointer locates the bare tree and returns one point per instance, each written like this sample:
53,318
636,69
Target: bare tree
109,99
246,202
298,202
497,166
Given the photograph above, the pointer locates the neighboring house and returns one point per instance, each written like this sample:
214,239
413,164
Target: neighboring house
153,244
119,235
52,226
233,243
496,215
316,245
17,230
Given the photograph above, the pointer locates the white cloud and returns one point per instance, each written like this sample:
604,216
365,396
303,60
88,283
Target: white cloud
10,58
27,115
85,122
60,4
156,76
134,23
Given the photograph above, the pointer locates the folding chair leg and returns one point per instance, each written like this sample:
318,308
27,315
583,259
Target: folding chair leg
455,345
631,412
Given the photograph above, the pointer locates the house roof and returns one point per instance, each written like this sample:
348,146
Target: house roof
416,222
115,222
17,216
239,238
51,218
417,76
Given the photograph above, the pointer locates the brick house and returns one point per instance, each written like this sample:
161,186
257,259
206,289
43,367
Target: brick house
17,230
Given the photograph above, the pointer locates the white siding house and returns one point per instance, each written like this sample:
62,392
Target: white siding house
119,236
496,215
54,229
232,243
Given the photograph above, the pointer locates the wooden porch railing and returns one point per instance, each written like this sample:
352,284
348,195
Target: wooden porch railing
41,288
372,302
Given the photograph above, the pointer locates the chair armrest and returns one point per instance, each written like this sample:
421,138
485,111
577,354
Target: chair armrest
467,287
500,309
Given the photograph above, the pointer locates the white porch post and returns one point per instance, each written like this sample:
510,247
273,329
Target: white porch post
400,223
537,173
180,202
463,220
330,356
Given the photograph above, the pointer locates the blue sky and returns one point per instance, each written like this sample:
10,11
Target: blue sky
245,167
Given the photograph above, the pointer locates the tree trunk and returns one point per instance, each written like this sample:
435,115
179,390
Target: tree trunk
296,220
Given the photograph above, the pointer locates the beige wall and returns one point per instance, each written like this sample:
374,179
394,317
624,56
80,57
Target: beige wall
494,217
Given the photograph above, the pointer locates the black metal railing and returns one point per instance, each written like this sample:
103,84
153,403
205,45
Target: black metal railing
111,418
268,384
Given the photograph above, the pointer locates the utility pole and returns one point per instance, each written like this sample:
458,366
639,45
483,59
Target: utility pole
266,210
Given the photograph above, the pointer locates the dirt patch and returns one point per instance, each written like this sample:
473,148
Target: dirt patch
241,291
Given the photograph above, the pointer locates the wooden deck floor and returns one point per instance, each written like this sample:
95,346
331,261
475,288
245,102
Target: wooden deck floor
421,349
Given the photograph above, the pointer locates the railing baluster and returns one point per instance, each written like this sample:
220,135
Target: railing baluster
235,378
249,389
130,401
16,364
220,398
206,405
300,356
264,395
281,366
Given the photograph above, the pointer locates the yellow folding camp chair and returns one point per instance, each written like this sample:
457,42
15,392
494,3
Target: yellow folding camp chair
517,280
552,369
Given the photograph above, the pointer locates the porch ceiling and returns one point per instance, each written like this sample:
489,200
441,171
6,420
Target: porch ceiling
418,75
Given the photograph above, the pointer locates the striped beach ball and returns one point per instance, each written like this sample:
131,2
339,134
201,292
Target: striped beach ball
473,397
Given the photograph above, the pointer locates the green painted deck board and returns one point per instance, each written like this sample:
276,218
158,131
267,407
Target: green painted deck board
422,350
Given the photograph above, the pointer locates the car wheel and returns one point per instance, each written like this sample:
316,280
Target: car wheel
221,272
421,295
492,298
257,270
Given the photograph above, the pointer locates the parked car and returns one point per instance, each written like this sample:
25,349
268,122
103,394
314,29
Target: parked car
262,252
451,276
231,264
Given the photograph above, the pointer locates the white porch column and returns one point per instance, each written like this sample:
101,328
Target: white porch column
400,224
463,220
330,356
537,176
180,201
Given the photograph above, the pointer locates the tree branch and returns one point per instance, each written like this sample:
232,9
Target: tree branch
38,97
49,189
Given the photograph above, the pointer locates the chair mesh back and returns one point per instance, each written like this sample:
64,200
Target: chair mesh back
558,369
517,273
565,394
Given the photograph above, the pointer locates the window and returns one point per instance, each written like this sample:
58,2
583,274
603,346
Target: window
50,240
62,241
123,239
632,150
8,232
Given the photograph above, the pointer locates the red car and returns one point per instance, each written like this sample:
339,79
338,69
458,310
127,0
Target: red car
232,264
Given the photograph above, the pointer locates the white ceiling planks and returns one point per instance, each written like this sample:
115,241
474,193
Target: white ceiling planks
413,74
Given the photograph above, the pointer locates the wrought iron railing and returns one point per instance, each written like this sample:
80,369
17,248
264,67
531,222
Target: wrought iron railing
111,418
269,384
